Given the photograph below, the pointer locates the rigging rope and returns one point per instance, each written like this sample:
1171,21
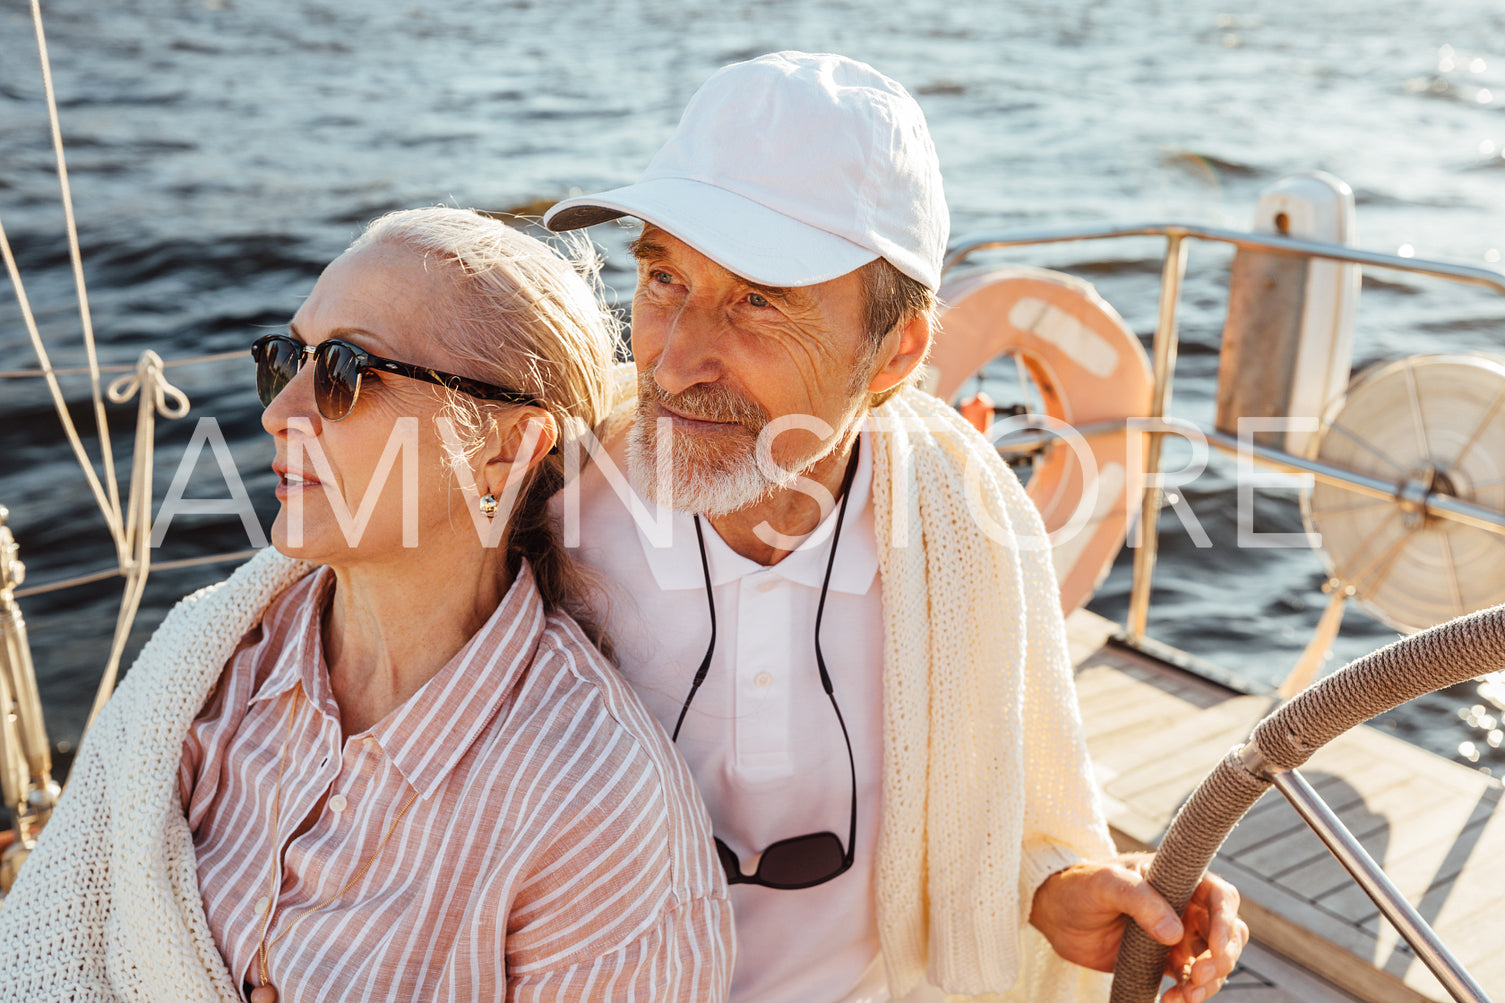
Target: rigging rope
154,396
76,257
111,514
102,576
124,367
130,529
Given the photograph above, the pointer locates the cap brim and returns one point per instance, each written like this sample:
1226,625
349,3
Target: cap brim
742,236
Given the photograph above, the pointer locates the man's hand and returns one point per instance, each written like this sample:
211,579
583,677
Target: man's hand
1081,911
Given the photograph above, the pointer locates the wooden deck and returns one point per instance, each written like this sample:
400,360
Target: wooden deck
1437,828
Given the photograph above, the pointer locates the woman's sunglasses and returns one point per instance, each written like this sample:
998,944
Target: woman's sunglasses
338,368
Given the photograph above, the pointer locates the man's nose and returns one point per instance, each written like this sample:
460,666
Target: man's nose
691,352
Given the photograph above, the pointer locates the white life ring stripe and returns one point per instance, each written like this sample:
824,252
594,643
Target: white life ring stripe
1090,350
1090,368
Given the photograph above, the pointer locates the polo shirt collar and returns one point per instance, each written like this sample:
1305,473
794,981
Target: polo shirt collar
677,567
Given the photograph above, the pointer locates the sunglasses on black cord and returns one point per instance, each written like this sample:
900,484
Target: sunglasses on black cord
816,857
338,368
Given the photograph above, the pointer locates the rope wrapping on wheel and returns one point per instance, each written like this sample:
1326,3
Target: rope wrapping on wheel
1444,655
1193,839
1450,653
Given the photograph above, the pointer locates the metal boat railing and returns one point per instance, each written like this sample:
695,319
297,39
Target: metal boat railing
1411,495
1164,345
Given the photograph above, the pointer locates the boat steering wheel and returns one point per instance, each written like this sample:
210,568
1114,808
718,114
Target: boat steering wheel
1444,655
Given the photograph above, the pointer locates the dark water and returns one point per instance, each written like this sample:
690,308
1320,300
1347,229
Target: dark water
222,152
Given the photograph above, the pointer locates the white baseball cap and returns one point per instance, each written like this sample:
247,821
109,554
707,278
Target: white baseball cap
792,169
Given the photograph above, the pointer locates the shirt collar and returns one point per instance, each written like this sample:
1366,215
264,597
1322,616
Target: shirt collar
430,732
677,567
302,648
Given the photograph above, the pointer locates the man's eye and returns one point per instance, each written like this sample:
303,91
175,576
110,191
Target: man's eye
757,299
663,277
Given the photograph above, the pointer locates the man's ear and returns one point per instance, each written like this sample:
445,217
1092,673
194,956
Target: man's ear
517,443
908,351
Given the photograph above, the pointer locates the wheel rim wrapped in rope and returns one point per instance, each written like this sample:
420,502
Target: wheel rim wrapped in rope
1445,655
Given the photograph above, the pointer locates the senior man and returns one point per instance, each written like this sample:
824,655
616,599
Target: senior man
849,623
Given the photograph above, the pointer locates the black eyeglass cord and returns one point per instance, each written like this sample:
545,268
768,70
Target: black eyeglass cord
705,663
820,658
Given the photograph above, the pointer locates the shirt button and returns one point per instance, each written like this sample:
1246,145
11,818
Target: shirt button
768,584
262,905
762,680
338,803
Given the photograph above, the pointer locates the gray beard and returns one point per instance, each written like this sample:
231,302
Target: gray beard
714,480
714,476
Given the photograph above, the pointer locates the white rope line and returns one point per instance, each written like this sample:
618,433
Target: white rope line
123,367
108,573
132,535
154,396
146,375
112,517
66,583
130,530
75,255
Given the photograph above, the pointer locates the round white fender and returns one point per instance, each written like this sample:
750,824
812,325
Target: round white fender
1089,368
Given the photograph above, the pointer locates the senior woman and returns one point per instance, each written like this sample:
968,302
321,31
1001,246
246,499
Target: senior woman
382,761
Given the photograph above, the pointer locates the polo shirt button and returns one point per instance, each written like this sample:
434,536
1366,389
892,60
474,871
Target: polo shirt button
768,584
338,803
762,680
262,905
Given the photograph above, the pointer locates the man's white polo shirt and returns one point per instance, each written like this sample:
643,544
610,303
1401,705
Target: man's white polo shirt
760,737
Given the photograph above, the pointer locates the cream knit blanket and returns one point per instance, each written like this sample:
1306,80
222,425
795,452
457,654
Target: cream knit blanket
987,788
108,905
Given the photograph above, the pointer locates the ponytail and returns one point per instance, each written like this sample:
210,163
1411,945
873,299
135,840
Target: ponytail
562,582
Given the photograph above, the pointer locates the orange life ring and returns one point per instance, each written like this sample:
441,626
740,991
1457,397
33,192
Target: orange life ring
1089,368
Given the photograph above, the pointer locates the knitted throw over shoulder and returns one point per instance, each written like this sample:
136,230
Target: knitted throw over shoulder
108,906
987,788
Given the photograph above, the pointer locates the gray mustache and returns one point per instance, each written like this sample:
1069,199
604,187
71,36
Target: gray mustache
708,402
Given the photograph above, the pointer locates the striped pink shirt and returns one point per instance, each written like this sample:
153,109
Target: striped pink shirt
556,848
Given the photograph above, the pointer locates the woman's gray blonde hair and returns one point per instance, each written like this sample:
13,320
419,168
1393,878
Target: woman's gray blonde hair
525,317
